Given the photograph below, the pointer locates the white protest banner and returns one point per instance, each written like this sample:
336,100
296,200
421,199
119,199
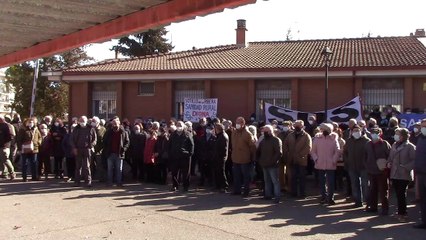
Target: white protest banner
194,109
342,114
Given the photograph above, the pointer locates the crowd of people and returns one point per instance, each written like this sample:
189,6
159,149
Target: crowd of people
363,158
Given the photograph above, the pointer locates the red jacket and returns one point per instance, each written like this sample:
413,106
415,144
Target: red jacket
149,150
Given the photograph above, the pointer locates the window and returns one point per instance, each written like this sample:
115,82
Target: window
277,93
187,89
104,100
382,92
146,89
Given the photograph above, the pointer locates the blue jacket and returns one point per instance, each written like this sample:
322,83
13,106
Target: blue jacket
420,160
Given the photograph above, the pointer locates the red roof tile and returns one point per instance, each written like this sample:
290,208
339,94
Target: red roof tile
383,52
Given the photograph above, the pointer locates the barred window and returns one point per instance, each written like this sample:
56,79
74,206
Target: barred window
104,100
277,93
383,92
146,88
186,89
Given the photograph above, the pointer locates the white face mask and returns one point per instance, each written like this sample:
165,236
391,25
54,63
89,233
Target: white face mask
93,124
415,130
82,124
396,138
356,135
375,136
238,126
285,129
173,128
310,122
423,130
148,135
30,125
56,124
179,129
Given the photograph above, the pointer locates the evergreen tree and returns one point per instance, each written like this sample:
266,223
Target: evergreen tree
146,43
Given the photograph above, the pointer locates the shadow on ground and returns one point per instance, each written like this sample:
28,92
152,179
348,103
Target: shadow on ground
307,214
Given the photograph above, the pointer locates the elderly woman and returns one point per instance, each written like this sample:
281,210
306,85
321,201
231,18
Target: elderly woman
28,140
401,162
325,153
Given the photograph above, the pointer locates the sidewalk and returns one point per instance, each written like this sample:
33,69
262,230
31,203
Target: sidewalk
55,210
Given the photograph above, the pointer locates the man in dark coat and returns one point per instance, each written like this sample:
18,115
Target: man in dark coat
116,143
220,157
181,149
83,139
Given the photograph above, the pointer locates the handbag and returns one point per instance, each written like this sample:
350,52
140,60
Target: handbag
28,147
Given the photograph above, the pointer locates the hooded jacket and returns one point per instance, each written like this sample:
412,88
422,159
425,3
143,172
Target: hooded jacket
325,151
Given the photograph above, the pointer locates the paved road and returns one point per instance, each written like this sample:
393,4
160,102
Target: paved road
55,210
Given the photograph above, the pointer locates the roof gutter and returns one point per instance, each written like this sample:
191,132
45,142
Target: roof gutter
232,75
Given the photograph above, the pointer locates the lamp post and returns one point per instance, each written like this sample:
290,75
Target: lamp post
326,53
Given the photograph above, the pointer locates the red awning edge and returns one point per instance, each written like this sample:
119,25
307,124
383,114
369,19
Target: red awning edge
162,14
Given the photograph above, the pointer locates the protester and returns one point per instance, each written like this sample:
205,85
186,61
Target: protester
5,145
243,151
325,153
297,146
401,162
354,154
284,167
57,133
136,151
219,158
269,154
149,157
181,149
420,171
377,154
116,143
162,155
83,140
44,152
28,141
98,164
389,132
67,146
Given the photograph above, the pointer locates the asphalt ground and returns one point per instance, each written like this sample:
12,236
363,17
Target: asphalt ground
54,209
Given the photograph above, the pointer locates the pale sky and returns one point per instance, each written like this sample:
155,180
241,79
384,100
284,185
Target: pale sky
307,19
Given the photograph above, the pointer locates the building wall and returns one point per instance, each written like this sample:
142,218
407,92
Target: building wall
419,93
232,98
80,99
236,97
158,106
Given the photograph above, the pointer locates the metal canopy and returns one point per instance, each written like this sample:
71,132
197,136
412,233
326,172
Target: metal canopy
31,29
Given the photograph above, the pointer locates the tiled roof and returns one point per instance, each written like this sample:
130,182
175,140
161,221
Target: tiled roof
381,52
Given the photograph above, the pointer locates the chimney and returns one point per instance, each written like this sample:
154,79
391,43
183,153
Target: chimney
241,32
420,32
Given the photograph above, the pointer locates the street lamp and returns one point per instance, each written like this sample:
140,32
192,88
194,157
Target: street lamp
326,53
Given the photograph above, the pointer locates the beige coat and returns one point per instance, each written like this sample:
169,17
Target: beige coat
243,146
297,149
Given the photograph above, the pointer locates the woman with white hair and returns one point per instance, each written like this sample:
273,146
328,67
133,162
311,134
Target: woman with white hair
325,153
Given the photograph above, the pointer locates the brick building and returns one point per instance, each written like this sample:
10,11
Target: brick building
382,70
